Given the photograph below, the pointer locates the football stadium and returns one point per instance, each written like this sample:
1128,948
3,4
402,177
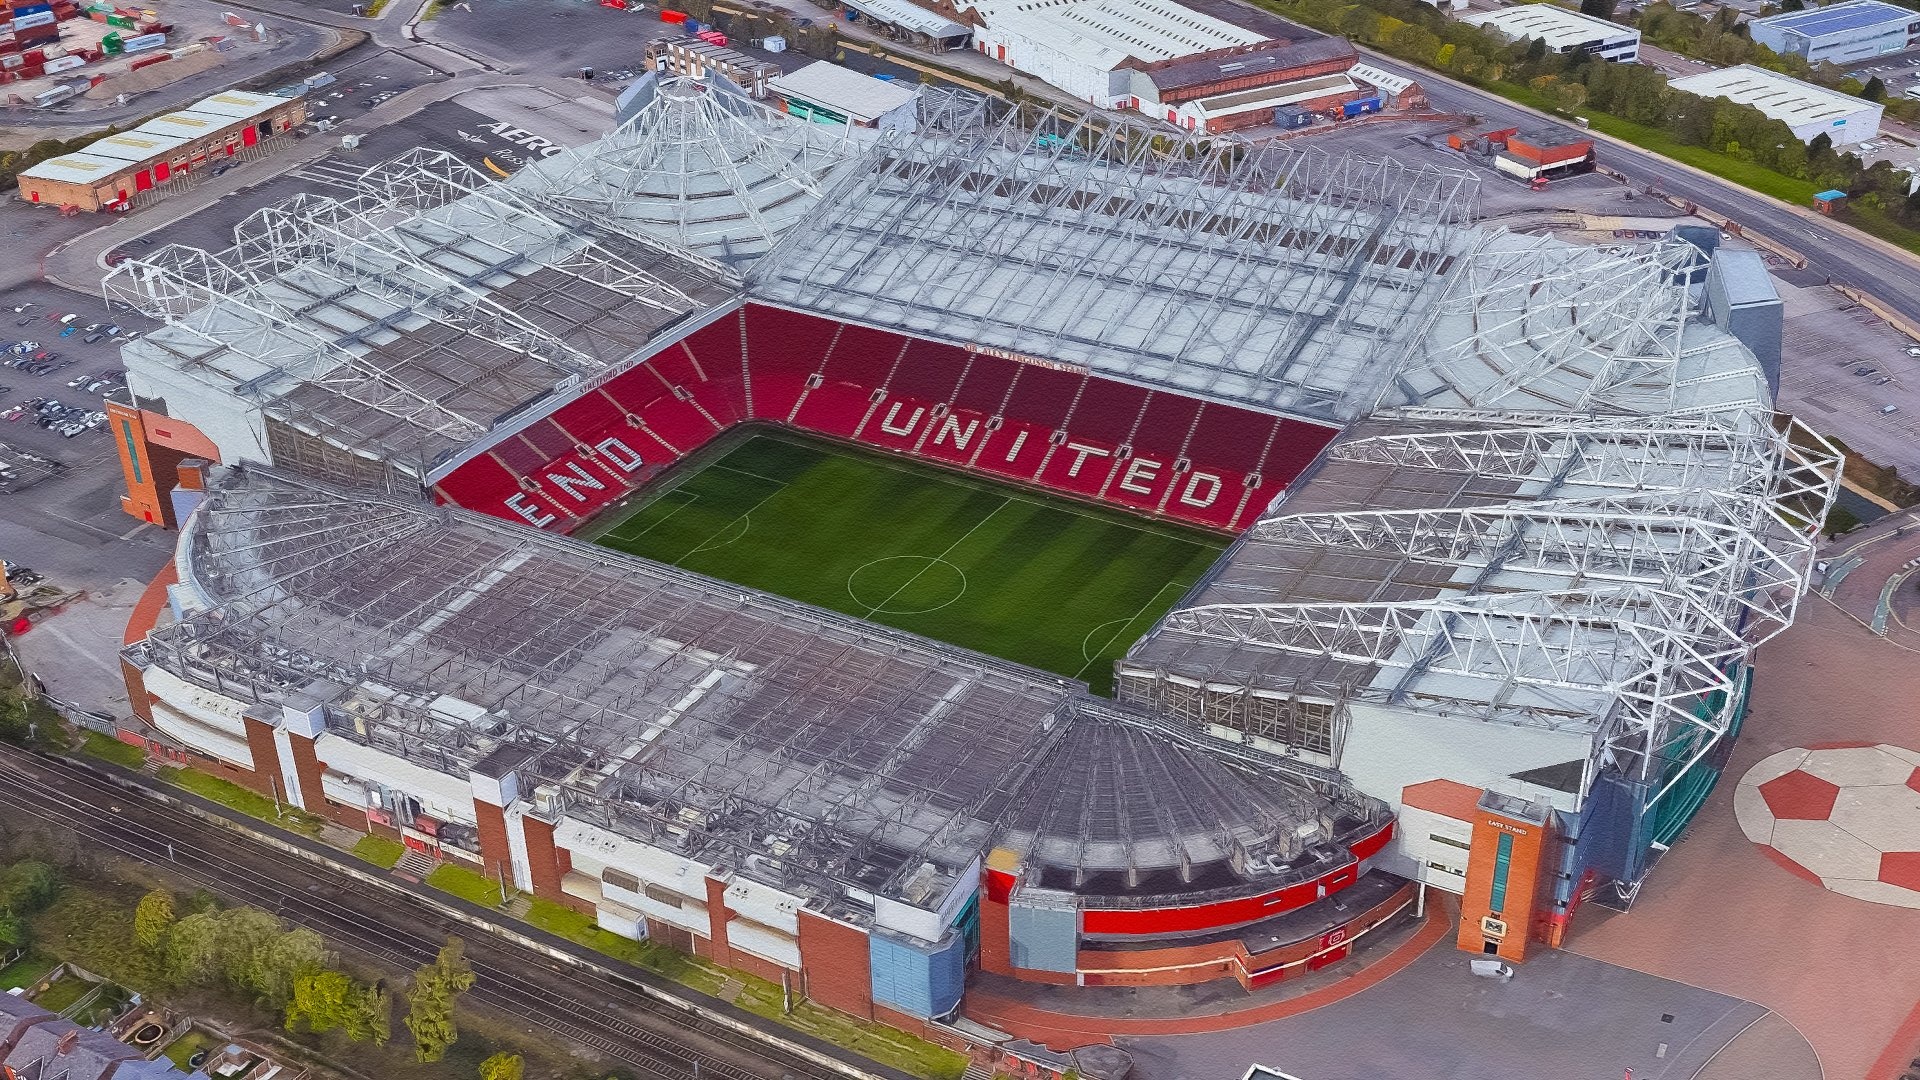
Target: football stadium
1032,547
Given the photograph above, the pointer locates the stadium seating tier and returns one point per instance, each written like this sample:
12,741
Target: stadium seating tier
1151,452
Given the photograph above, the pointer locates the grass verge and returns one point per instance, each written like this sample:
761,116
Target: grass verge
246,801
583,930
108,748
381,851
1745,173
26,971
469,885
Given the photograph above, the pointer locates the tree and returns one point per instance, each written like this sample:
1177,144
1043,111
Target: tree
1875,90
193,949
430,1001
503,1066
328,1000
1599,9
280,959
28,886
152,919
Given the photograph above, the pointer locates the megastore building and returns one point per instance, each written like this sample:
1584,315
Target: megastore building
1510,516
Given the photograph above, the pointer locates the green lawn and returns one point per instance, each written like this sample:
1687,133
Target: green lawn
182,1049
64,991
26,971
469,885
1033,579
245,800
108,748
584,930
381,851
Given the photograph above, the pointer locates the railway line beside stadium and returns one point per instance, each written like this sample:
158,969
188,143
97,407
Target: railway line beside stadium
612,1015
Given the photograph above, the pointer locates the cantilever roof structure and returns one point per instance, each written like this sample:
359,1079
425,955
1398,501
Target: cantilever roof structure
706,170
796,745
1284,279
403,323
1609,576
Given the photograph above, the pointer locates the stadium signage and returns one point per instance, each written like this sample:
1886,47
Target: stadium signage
574,480
1141,476
1023,358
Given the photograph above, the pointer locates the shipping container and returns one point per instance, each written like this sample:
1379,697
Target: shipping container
779,44
1361,107
667,16
149,61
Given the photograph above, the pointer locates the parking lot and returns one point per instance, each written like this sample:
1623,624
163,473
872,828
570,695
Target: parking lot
1848,374
55,370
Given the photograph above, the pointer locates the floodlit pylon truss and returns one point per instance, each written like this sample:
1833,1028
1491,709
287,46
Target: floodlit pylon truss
1526,321
1260,273
1653,597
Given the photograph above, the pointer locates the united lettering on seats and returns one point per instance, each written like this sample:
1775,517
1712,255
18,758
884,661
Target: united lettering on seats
1055,426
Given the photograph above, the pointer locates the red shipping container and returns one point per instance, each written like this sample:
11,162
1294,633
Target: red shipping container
149,61
672,16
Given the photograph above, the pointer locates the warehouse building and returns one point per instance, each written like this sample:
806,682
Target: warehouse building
830,94
112,170
1808,109
1205,66
1564,31
1840,33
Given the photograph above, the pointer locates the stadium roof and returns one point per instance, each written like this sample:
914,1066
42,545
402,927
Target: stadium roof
1270,276
708,171
1602,575
1839,18
1780,97
403,323
797,746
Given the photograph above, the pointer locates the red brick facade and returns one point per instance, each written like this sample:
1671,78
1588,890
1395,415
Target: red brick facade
717,949
836,965
543,865
496,855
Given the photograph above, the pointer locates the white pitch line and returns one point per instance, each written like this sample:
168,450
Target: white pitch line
940,558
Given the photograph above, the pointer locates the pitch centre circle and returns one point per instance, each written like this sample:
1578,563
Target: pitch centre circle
906,584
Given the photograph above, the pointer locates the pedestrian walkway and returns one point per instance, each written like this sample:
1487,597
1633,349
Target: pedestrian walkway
1064,1018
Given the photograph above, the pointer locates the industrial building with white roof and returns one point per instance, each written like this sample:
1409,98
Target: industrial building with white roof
1563,31
1510,516
1810,110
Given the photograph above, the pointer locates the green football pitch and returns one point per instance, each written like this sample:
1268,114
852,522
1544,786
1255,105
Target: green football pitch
988,566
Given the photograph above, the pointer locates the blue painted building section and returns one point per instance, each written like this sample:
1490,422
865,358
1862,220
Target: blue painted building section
916,978
1043,936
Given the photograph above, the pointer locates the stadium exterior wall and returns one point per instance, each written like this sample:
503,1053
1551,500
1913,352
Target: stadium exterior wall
745,925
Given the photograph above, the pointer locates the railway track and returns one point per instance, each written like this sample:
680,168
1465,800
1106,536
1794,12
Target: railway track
611,1015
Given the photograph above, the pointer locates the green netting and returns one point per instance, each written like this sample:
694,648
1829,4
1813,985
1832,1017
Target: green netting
1676,810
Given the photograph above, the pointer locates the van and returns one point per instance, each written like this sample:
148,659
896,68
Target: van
1889,410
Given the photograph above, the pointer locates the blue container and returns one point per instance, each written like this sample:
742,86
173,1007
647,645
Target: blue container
1361,107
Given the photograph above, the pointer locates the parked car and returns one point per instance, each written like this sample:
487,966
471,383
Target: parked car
93,337
69,331
24,320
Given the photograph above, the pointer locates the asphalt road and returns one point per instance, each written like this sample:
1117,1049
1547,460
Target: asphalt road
398,930
1832,250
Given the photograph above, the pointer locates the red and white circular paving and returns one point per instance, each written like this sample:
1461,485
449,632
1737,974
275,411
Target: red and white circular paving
1842,815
